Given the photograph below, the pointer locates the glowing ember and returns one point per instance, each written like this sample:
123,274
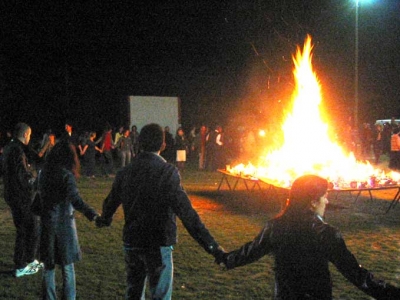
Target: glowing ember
307,146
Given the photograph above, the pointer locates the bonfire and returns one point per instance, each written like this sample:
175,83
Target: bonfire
308,146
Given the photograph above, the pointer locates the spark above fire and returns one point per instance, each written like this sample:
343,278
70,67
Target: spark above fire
307,146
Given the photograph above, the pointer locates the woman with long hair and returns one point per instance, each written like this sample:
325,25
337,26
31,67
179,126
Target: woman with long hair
59,198
303,245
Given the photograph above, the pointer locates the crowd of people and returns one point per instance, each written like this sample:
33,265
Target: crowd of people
381,139
203,147
42,206
150,192
104,154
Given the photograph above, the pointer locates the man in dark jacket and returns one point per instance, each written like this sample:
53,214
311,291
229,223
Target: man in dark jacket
69,135
18,188
151,195
215,150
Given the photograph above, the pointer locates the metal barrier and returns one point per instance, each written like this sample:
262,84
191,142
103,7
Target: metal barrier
251,183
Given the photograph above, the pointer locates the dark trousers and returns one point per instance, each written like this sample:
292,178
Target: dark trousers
215,158
377,151
27,236
394,162
108,163
90,165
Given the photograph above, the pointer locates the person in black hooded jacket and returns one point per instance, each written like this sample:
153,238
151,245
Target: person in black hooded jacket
18,193
303,245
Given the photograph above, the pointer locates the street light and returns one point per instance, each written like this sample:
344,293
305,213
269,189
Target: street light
356,65
356,70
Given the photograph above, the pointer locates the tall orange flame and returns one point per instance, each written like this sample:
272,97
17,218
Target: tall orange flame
307,146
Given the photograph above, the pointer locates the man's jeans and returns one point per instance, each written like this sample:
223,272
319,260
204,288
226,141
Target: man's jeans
156,266
49,283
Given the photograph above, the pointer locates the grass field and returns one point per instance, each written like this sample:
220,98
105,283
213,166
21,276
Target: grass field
233,217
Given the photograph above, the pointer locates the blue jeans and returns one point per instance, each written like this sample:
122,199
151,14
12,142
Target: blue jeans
125,157
49,283
156,266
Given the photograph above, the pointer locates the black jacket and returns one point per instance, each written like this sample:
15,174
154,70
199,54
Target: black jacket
151,195
18,179
302,249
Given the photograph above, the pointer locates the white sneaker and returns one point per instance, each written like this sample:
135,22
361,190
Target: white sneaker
28,270
36,264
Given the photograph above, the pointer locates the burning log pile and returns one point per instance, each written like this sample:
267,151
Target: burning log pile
251,172
308,147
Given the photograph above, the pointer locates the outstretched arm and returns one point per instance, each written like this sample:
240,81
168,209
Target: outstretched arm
251,251
76,200
348,265
182,207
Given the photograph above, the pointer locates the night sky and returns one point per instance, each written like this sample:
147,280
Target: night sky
229,61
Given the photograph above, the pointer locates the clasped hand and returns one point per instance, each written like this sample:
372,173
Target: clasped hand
101,222
221,257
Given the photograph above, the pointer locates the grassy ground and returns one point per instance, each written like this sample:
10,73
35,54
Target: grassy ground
233,217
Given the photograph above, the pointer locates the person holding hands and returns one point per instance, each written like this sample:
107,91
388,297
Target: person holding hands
58,199
151,195
303,245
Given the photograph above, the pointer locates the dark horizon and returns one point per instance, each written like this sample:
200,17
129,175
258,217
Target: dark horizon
229,62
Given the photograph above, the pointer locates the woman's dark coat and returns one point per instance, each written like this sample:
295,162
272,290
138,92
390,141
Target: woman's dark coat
60,197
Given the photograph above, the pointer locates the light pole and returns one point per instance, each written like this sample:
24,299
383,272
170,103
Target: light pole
356,70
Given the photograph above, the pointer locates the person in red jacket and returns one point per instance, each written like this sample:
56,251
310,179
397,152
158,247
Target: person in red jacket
106,149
